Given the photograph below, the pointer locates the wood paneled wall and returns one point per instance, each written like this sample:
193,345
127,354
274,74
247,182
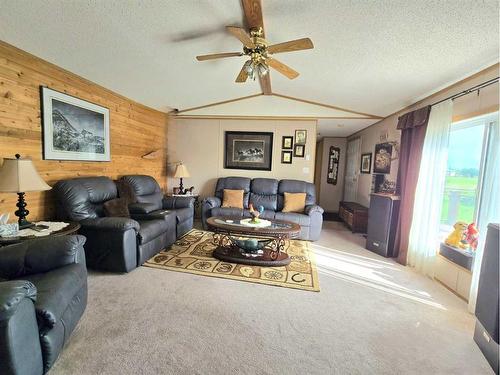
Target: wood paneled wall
135,129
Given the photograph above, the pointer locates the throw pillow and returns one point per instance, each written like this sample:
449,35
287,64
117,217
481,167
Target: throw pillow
116,208
233,198
125,191
294,202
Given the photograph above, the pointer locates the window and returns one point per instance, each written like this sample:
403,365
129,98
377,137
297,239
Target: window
466,154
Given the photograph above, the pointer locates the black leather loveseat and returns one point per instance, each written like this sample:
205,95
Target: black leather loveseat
148,200
43,294
269,193
117,244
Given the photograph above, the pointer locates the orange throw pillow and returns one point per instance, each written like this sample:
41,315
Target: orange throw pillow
295,202
233,198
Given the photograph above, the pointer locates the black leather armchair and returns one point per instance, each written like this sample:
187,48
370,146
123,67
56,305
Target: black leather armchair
150,202
43,294
113,243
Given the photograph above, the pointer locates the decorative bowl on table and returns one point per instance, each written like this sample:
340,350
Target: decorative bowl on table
251,245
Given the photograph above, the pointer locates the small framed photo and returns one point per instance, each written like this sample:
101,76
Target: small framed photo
287,142
299,151
286,157
366,163
300,137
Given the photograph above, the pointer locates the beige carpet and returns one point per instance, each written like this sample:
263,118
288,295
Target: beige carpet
372,316
193,254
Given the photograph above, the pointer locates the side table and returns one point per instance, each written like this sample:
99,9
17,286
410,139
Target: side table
73,227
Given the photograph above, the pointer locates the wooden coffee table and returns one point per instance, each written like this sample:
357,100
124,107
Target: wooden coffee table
227,233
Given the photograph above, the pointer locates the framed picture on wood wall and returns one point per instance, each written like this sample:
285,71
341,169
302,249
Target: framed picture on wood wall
73,129
248,150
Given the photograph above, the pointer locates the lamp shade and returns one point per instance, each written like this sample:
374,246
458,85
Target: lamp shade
19,176
181,171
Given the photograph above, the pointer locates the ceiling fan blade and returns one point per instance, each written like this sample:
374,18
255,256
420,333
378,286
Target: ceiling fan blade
243,75
291,46
218,56
253,14
242,35
282,68
265,84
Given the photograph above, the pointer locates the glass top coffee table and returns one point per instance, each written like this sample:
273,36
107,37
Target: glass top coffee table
263,244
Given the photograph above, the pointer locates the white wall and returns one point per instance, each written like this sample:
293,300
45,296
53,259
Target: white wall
199,144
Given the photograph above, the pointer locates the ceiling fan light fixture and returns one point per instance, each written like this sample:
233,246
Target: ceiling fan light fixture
263,69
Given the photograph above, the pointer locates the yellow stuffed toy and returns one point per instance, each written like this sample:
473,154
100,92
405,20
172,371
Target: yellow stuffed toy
455,237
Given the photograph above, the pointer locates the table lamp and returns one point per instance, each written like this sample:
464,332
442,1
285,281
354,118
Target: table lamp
19,176
181,172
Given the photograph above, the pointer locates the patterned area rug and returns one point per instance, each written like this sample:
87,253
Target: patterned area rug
192,253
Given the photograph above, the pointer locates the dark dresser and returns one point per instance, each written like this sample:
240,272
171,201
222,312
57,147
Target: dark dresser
486,331
382,220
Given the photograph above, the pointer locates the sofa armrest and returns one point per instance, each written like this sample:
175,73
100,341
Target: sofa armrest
172,203
40,255
20,350
110,224
142,208
155,215
211,202
313,208
12,294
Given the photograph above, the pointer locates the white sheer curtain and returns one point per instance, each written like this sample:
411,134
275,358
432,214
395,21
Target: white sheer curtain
424,233
352,170
489,201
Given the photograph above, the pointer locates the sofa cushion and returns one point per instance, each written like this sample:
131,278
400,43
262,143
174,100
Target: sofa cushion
301,219
82,198
232,198
228,211
150,229
234,183
55,291
294,202
146,189
296,186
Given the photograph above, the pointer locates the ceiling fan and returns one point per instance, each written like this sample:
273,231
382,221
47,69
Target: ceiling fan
256,47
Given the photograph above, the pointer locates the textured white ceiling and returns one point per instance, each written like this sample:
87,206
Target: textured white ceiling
370,56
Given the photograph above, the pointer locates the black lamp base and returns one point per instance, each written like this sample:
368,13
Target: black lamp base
181,187
22,212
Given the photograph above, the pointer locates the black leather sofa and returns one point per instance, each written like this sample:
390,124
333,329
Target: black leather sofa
269,193
150,200
117,244
43,294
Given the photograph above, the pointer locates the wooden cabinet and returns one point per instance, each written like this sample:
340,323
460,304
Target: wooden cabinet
354,215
